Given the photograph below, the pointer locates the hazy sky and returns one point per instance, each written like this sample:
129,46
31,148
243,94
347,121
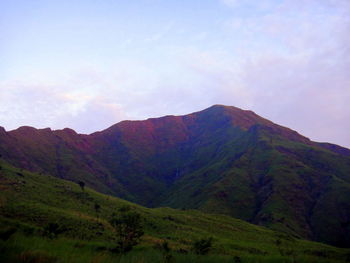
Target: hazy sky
89,64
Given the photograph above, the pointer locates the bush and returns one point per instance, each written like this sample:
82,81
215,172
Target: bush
165,246
97,208
51,230
202,246
129,229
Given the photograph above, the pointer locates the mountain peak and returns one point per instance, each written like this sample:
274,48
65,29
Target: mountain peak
243,119
221,107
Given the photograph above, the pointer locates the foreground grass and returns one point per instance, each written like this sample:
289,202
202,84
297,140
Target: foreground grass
29,201
35,249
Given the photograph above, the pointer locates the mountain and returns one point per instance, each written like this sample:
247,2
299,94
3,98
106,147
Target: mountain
220,160
30,202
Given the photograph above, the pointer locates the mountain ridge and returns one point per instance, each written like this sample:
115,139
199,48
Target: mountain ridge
329,146
222,159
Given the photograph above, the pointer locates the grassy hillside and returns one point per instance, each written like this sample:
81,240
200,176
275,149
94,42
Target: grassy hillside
265,179
29,202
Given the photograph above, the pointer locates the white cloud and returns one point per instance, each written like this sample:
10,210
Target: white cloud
286,60
298,74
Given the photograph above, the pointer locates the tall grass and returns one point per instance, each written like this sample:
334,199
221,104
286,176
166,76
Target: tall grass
31,249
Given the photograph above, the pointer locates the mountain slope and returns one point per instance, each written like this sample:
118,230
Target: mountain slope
222,159
29,202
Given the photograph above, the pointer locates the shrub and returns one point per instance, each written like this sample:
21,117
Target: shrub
51,230
165,246
129,229
97,208
124,208
168,258
202,246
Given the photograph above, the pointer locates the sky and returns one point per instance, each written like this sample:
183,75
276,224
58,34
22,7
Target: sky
88,64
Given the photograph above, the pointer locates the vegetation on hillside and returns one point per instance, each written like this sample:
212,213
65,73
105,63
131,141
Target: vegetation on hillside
221,160
46,219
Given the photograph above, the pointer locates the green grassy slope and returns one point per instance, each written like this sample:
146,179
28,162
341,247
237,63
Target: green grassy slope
29,201
266,179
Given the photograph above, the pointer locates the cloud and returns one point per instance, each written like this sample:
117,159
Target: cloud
61,104
89,99
286,60
298,73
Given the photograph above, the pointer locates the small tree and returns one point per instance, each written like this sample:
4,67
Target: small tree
202,246
82,185
165,246
129,229
285,250
167,257
237,259
97,208
51,230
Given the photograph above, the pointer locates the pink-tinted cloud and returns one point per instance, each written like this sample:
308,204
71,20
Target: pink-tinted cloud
286,60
